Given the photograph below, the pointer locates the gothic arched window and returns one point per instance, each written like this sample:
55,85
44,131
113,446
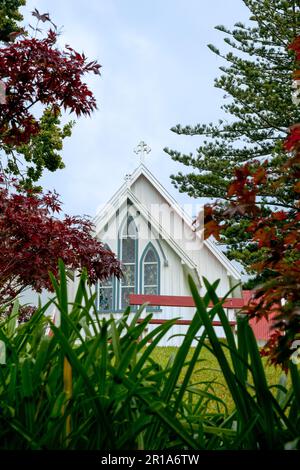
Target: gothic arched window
150,271
128,256
106,293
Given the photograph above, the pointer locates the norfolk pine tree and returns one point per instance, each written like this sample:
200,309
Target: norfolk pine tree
257,81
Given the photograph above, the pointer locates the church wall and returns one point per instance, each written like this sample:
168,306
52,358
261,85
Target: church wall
212,269
174,282
173,277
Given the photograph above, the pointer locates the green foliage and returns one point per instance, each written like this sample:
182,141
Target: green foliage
9,17
42,151
116,395
257,82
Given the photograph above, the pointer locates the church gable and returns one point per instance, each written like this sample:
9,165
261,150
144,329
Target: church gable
177,223
164,210
156,243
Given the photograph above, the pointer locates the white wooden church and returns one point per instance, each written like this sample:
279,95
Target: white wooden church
158,246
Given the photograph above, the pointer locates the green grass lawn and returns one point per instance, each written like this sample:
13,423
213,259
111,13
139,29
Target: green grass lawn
208,373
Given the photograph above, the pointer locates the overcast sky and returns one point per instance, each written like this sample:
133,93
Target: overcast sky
156,72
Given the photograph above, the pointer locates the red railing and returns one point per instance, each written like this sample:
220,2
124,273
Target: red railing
179,301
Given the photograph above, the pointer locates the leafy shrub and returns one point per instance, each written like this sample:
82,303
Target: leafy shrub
92,383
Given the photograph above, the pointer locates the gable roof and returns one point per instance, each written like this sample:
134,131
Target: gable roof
120,197
146,214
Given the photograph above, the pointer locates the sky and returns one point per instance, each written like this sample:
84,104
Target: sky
156,72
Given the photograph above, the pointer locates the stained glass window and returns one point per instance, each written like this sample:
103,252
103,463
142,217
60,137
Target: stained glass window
151,272
128,250
128,257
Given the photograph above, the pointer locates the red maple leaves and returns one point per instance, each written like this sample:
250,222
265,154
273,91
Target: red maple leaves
295,46
36,71
293,140
32,240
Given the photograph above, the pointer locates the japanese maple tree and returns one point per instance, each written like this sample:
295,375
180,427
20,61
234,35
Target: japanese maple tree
276,230
33,238
41,81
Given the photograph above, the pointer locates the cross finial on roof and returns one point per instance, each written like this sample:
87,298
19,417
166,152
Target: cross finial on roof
142,150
